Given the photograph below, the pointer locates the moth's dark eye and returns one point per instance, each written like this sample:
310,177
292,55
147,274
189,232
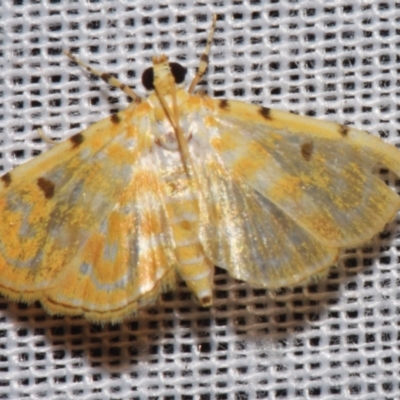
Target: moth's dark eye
148,78
178,72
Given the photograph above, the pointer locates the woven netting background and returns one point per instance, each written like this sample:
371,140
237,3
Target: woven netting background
336,339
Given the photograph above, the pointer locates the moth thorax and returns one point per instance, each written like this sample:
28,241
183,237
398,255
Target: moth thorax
166,136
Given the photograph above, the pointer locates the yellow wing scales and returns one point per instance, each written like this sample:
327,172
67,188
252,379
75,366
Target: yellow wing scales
265,247
127,262
322,190
93,237
176,183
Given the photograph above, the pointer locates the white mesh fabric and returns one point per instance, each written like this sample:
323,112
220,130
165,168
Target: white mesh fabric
338,339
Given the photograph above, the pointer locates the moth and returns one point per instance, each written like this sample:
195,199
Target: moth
177,183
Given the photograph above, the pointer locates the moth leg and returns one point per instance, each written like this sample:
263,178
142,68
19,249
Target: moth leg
108,78
204,57
45,138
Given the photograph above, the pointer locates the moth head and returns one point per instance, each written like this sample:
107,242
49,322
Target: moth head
163,73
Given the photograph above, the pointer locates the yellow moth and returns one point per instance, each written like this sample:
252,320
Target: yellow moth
177,183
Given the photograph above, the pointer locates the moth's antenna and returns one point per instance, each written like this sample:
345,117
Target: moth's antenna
204,57
108,78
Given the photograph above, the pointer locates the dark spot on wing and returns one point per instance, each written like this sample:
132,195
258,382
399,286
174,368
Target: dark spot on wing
115,118
77,140
224,104
47,187
307,150
6,179
265,112
343,130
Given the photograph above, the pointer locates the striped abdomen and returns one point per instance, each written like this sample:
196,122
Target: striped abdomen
195,269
